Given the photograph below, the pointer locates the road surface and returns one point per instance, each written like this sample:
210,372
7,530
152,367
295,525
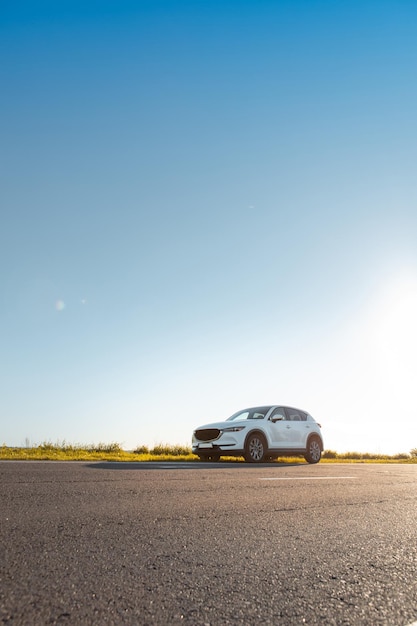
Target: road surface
209,544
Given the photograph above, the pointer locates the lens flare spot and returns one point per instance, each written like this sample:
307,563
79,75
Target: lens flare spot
59,305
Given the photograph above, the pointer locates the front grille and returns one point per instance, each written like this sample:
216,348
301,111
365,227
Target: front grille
207,434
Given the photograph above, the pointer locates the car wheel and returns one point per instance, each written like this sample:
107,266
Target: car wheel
255,448
313,452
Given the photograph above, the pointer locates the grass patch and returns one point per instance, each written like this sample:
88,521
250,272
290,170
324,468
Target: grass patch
367,457
162,449
65,452
48,451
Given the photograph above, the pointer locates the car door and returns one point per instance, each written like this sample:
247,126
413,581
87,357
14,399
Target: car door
296,427
279,429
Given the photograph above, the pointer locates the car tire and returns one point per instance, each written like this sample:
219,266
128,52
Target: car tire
255,448
313,452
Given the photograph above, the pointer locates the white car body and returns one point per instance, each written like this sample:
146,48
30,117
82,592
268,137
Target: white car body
259,434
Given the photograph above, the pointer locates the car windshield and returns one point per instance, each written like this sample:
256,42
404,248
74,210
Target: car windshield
257,413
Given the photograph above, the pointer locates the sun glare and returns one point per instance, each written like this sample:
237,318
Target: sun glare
395,332
396,329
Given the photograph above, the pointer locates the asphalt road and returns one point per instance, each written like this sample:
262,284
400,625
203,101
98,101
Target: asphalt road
108,543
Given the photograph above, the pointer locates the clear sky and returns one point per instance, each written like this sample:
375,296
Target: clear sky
207,206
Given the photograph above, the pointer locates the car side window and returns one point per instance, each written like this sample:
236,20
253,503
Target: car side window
278,412
294,415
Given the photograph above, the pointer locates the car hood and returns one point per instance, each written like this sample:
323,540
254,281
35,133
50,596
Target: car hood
222,425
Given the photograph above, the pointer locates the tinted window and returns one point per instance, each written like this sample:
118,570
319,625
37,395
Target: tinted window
278,411
294,415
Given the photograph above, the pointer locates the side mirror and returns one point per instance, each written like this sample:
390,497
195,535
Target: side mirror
277,418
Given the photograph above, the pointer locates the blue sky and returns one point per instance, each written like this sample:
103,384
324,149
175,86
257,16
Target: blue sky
207,206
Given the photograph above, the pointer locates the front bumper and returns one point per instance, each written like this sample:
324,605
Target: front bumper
226,446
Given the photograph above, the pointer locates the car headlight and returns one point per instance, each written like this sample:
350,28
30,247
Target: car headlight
233,429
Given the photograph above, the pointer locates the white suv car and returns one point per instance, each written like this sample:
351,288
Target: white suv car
260,434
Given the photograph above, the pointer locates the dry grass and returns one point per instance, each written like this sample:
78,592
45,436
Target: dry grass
48,451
